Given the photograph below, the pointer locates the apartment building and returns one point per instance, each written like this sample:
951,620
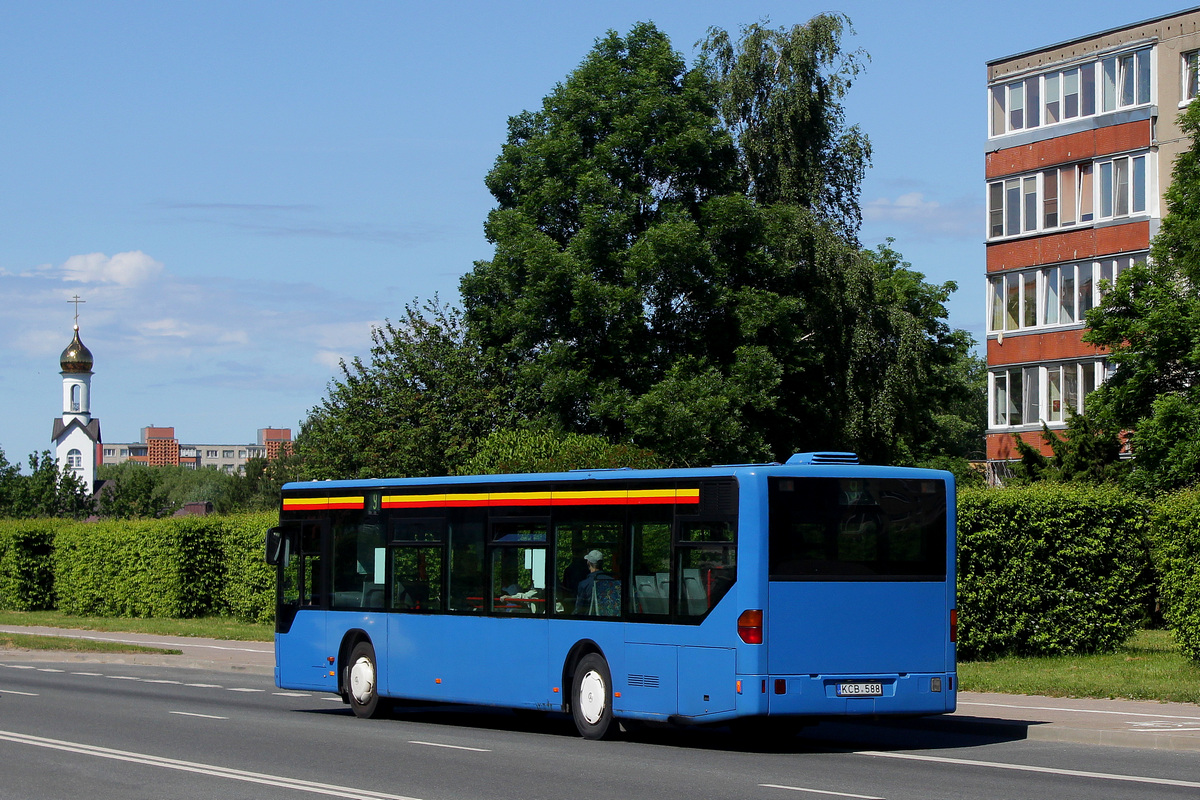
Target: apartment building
160,447
1082,136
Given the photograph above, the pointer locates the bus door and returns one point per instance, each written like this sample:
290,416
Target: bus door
301,651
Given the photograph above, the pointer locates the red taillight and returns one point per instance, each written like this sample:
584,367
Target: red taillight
954,624
750,627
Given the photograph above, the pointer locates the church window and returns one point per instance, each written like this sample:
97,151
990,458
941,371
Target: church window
74,459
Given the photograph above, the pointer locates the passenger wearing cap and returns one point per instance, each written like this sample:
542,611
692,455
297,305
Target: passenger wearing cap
583,595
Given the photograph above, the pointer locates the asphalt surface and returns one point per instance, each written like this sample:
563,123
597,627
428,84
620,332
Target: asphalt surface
1121,723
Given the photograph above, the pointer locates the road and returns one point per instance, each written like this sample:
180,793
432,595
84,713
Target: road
71,730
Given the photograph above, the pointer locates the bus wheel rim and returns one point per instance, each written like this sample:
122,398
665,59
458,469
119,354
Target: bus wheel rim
362,680
592,697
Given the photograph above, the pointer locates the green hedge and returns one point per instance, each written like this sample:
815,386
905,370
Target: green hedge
1175,545
248,583
139,568
26,572
1050,569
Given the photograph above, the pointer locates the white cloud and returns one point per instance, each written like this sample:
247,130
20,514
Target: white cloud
912,211
329,359
124,269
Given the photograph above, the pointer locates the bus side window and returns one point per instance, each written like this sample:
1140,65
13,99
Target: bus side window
468,581
706,557
650,561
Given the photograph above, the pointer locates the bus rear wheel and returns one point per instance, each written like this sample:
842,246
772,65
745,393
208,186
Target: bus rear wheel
362,682
591,698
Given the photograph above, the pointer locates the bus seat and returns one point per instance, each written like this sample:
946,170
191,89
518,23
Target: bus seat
650,600
695,599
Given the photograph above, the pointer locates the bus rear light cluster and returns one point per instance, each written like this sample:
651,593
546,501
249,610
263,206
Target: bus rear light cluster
954,624
750,626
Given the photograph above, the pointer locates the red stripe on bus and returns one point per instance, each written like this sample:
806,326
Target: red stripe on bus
568,501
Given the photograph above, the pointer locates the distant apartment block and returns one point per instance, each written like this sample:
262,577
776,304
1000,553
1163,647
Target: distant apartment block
1082,136
159,447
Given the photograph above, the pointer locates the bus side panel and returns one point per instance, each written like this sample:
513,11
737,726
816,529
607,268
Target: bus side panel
651,679
706,680
845,627
301,654
498,661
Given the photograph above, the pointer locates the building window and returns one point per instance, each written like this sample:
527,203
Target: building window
108,451
210,453
1063,197
74,459
1050,296
1191,66
1042,393
76,393
241,453
226,454
1063,95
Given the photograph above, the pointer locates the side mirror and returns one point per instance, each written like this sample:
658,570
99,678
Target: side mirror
278,548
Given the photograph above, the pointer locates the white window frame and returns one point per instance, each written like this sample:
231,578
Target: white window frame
1115,78
1060,299
1189,76
1078,378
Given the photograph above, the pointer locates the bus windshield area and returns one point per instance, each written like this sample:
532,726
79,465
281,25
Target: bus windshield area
856,529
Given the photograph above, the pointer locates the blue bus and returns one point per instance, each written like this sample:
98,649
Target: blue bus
780,593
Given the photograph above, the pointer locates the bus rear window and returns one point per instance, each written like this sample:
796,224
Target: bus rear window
855,529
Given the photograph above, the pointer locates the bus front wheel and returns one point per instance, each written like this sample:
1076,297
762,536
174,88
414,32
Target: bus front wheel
362,682
591,698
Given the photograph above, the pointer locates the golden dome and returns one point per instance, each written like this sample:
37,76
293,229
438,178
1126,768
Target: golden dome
76,358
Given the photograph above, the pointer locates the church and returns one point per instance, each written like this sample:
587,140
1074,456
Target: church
76,433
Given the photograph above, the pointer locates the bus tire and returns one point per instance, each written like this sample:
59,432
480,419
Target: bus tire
362,682
591,698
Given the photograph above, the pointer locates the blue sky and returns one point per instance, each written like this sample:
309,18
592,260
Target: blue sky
240,190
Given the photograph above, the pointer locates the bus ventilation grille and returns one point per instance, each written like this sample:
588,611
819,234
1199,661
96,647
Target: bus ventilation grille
823,458
647,681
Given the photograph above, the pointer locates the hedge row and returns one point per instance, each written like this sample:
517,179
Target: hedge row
1175,540
1050,569
178,567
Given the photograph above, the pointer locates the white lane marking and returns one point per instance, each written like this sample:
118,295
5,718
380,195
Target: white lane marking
213,770
1159,729
48,669
333,699
452,747
90,674
123,677
292,694
246,690
819,791
1070,773
172,644
191,714
1080,710
23,694
19,666
162,680
204,685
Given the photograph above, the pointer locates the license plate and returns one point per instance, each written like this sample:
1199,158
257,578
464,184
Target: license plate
860,689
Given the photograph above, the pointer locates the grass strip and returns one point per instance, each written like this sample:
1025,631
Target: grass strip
26,641
204,627
1148,667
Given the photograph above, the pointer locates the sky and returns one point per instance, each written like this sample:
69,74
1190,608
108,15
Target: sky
239,191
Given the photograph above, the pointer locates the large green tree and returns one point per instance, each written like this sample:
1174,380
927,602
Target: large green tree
415,408
675,262
49,490
1150,322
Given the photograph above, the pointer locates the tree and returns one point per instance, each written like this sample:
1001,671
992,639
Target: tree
523,450
47,491
675,267
1089,451
133,491
1150,323
416,408
780,95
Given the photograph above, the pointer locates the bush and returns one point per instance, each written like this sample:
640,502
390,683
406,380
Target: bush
150,568
26,571
1050,569
1175,546
248,584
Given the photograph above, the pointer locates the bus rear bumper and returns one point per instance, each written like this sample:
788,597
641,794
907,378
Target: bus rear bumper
840,695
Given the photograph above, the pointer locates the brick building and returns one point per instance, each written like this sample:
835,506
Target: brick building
1082,136
159,447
